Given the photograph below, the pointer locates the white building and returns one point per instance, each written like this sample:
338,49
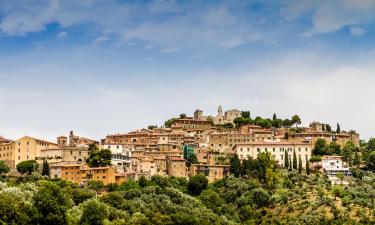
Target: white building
120,155
332,165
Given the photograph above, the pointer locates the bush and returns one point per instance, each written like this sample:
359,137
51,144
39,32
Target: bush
197,184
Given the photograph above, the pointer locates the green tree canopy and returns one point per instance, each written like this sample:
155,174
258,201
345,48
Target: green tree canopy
27,166
4,168
192,159
319,147
99,158
348,151
94,213
51,203
45,169
296,120
370,163
235,165
197,184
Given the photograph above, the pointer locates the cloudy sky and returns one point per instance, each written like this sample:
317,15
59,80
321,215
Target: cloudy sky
109,66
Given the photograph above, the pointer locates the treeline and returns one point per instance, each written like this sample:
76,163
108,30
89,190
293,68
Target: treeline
275,122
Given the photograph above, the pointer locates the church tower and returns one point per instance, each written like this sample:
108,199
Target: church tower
220,111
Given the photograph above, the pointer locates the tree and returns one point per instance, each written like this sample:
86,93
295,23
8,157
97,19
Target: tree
183,116
235,166
14,210
370,163
338,129
27,166
287,123
94,213
246,114
333,149
98,186
357,159
337,191
99,158
299,165
169,122
347,151
328,128
51,203
197,184
151,127
142,181
320,146
307,167
4,168
340,175
371,144
286,159
93,147
296,120
294,159
260,197
274,117
45,170
192,159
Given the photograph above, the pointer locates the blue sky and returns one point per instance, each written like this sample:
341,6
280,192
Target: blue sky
106,66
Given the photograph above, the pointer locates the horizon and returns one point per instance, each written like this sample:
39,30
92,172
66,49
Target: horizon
106,67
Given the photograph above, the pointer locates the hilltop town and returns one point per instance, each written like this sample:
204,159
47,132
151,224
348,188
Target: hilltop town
231,168
183,147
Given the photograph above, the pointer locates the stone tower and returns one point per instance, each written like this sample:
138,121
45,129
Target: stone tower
62,141
198,114
220,111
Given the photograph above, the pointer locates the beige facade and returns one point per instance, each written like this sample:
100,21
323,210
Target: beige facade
188,124
277,150
66,155
25,148
176,167
312,137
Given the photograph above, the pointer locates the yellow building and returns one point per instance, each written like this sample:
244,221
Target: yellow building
25,148
78,173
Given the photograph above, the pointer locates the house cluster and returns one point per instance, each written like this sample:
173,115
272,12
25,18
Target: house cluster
165,151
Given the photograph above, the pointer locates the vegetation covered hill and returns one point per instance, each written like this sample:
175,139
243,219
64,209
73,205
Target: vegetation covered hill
261,194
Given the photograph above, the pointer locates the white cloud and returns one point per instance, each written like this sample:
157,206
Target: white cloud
330,16
62,34
357,31
170,50
312,85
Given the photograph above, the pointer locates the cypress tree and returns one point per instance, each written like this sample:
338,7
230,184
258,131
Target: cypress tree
294,159
286,160
235,166
338,129
45,170
307,167
299,165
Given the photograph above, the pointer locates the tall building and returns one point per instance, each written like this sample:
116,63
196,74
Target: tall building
25,148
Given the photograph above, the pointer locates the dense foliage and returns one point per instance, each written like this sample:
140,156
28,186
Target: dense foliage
296,199
258,193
